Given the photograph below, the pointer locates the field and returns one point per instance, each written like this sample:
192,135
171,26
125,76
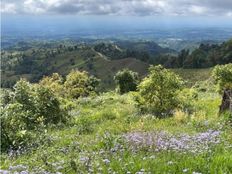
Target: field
109,135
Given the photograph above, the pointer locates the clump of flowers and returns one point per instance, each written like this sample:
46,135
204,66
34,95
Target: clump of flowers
160,141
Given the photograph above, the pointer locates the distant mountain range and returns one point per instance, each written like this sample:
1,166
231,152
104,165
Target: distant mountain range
33,60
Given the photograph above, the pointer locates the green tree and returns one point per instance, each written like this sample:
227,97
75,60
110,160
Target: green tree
158,92
27,110
54,83
79,84
222,74
126,80
223,77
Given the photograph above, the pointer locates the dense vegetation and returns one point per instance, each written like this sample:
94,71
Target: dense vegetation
64,125
34,60
205,56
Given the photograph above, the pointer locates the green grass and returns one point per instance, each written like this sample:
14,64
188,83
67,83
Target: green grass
99,125
194,75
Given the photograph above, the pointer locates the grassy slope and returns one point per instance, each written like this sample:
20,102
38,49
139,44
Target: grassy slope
194,75
102,67
102,120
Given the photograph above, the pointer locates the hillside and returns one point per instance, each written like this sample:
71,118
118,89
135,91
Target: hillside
65,125
104,59
206,55
109,135
34,63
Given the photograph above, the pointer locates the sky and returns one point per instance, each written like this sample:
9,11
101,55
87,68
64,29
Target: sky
119,7
112,14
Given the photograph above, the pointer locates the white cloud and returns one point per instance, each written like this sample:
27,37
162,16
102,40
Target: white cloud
198,9
229,14
119,7
8,8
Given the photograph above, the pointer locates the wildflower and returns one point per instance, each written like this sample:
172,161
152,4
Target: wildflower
4,171
106,161
185,170
18,168
84,159
164,141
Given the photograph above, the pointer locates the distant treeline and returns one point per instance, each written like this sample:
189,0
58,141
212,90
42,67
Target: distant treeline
34,63
205,56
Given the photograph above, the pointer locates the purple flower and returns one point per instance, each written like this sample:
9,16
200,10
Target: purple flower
159,141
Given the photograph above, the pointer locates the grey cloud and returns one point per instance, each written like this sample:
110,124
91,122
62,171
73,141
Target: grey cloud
119,7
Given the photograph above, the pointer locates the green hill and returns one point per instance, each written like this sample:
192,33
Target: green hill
34,63
36,59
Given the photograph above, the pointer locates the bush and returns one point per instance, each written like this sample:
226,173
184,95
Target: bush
15,130
80,84
5,96
30,108
222,74
49,107
187,98
223,77
54,83
158,92
126,80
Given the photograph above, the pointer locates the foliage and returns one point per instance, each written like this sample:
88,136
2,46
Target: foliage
30,108
54,83
126,80
206,55
80,84
187,98
77,84
223,76
5,96
198,143
158,92
85,125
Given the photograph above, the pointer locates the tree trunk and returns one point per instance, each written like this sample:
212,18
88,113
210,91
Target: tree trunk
226,104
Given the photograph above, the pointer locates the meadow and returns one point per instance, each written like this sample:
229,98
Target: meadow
108,134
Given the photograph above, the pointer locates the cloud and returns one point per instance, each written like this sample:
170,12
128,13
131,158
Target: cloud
119,7
8,8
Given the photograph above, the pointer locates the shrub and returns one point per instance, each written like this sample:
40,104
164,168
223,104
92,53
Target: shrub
30,108
49,107
223,77
54,83
187,98
222,74
14,126
158,92
80,84
5,96
126,80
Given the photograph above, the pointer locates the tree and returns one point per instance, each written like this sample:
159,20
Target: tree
27,110
223,77
158,92
182,57
126,80
54,83
79,84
